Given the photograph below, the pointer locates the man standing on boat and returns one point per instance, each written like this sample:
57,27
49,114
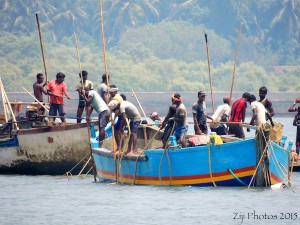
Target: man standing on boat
92,98
199,114
238,113
113,92
87,84
129,111
38,90
167,132
221,115
56,89
103,89
259,112
180,119
265,101
296,122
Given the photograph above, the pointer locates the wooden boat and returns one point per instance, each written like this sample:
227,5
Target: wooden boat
235,163
48,150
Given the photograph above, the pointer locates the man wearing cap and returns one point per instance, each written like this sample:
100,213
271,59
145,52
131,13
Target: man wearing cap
92,98
114,96
129,111
56,89
86,84
199,114
155,117
237,115
221,115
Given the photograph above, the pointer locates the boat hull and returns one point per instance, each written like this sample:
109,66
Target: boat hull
228,164
45,151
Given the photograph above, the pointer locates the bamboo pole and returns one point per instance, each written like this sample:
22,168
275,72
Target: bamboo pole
42,49
86,111
133,93
103,42
7,102
209,73
107,80
234,64
3,102
41,104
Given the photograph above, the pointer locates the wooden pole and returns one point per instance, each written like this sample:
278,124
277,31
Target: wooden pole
7,102
234,64
107,80
3,102
42,48
86,111
209,73
133,93
40,103
103,42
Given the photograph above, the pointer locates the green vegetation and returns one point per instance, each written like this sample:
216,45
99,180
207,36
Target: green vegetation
154,45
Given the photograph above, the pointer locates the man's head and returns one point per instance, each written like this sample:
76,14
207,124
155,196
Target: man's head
201,96
246,96
104,78
113,105
123,96
40,78
113,90
176,98
60,77
84,74
226,99
153,116
263,92
251,98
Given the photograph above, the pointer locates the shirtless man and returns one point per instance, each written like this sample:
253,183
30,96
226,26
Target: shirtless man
265,101
38,90
103,89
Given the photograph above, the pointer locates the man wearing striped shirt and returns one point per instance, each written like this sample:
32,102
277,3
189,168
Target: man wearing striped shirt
238,113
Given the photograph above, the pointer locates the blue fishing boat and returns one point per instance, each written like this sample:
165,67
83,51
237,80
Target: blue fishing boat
236,163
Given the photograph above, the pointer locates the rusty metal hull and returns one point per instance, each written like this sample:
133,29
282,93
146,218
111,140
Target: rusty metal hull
45,151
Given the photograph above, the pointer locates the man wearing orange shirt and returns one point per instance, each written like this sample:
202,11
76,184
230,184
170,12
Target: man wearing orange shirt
56,89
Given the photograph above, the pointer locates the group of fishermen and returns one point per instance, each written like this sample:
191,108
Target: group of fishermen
107,100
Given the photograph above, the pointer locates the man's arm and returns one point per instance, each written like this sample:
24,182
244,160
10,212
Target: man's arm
254,116
270,108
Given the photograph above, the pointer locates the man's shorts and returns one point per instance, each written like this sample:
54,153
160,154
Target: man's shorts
57,107
180,132
237,130
103,118
134,126
118,124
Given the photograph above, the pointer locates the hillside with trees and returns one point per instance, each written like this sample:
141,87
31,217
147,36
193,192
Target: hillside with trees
154,45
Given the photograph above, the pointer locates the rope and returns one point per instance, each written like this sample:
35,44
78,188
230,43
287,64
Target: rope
136,162
209,164
169,162
69,172
122,154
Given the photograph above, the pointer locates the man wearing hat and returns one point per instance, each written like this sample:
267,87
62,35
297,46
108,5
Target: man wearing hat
128,111
221,115
115,98
155,117
199,114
